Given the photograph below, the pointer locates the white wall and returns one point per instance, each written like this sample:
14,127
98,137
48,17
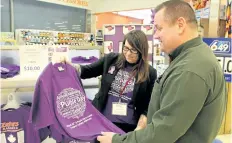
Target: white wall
144,14
99,6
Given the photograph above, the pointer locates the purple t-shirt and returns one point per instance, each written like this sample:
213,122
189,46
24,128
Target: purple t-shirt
80,59
114,95
16,129
60,102
9,70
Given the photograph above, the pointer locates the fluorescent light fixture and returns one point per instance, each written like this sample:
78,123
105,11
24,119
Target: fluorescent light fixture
76,25
61,26
58,23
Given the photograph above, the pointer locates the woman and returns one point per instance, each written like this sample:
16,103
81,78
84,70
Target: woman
126,84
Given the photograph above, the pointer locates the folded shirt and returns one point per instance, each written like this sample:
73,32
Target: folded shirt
80,59
9,70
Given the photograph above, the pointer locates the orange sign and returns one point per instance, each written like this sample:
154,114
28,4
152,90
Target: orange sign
198,4
74,3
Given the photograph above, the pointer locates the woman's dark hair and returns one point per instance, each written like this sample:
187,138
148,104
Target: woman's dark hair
138,40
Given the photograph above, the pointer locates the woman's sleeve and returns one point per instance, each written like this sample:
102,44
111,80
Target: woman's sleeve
150,85
92,70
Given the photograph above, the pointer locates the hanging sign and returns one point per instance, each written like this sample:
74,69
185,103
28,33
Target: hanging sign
33,59
74,3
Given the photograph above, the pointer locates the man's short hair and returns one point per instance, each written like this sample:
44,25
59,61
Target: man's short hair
173,9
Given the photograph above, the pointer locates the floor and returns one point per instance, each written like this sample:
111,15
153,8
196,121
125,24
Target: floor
225,138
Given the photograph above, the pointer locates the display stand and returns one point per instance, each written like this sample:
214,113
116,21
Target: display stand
16,82
114,35
99,38
44,37
7,38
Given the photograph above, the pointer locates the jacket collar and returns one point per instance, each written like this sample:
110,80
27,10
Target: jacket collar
189,44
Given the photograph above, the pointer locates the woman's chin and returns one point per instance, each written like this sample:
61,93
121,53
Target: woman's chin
130,61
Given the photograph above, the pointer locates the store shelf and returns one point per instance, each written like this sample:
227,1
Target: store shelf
70,47
24,82
17,82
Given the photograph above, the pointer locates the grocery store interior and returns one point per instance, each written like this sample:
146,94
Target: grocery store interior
87,30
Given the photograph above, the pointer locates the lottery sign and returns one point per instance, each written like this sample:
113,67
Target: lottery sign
222,49
220,46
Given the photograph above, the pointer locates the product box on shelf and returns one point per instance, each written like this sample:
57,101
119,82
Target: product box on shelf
43,37
7,38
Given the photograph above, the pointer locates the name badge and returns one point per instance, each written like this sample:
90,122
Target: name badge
119,108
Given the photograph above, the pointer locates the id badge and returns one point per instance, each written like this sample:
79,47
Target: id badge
119,108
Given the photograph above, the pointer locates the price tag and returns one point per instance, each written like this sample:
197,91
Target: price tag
228,65
33,59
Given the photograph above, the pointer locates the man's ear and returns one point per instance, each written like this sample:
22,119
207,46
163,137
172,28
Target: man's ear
181,24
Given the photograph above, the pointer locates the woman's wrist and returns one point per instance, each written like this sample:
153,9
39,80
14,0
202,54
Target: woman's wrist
77,67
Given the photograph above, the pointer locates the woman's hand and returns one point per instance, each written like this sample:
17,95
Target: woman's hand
65,61
76,66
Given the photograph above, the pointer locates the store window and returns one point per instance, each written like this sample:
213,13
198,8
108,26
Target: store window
33,14
5,15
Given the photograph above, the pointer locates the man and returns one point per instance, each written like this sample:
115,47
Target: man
188,101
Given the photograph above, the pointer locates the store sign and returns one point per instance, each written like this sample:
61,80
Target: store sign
201,7
74,3
222,49
33,59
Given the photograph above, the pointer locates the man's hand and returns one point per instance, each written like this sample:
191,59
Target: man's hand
138,128
142,123
106,137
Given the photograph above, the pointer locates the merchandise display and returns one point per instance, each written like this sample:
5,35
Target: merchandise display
99,37
201,7
7,38
9,70
80,59
63,106
114,35
16,129
43,37
57,104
